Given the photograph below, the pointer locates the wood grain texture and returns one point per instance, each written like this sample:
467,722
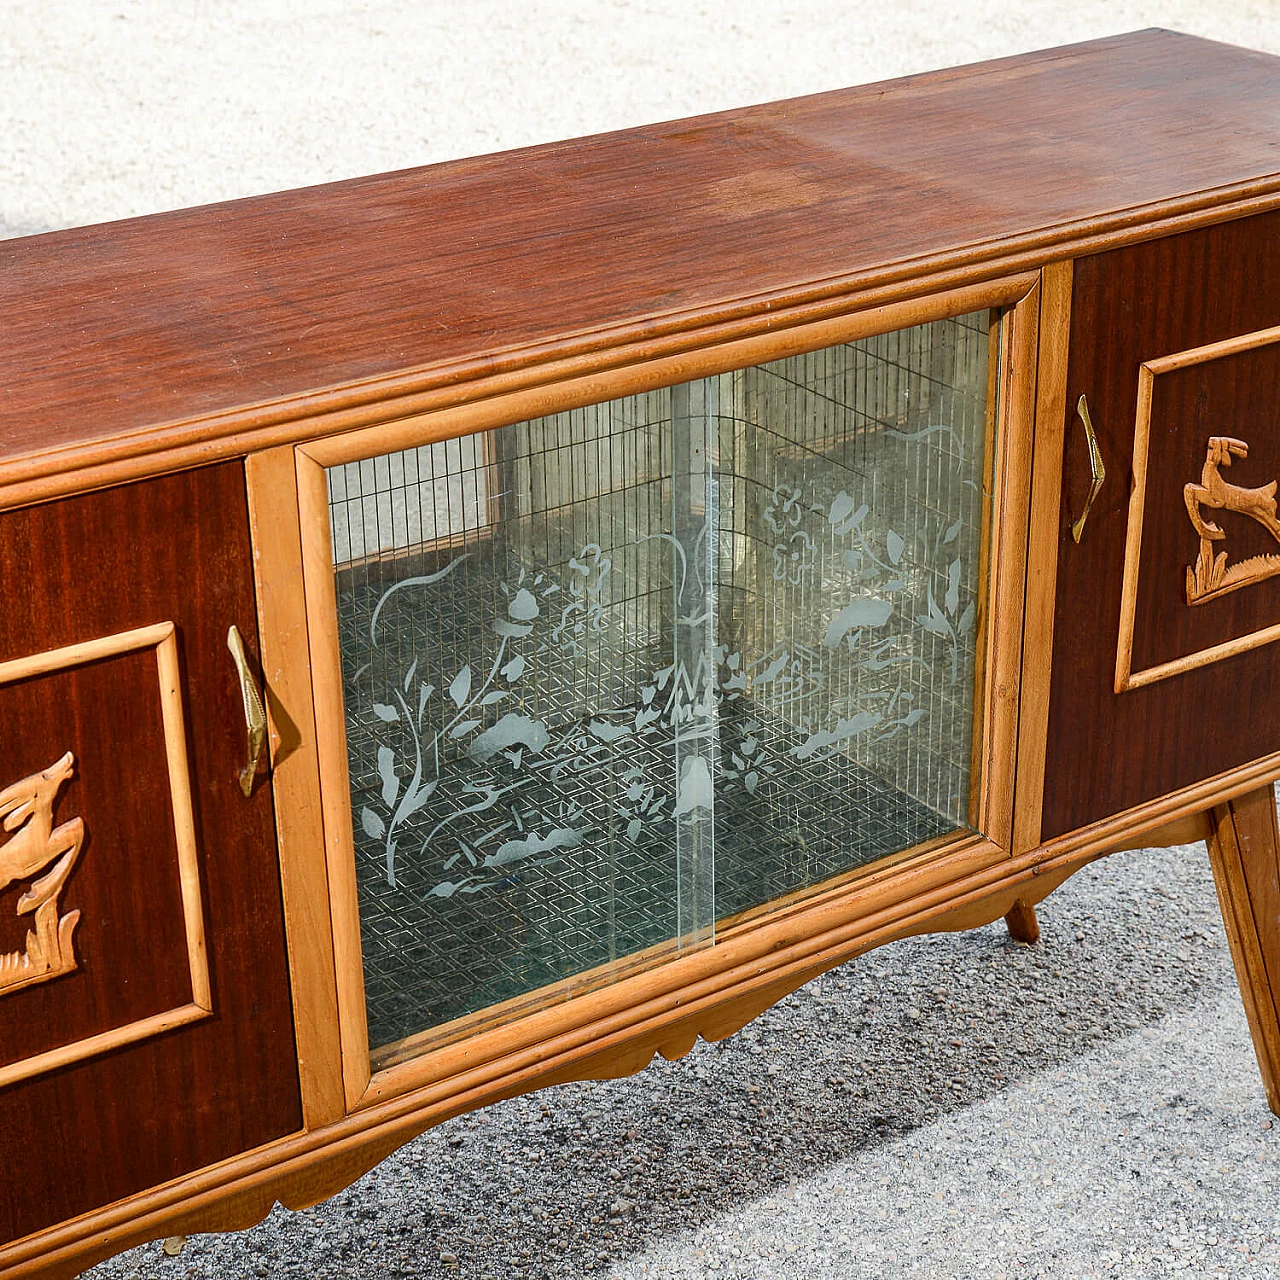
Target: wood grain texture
620,237
295,780
1244,850
1209,395
996,702
107,563
107,1022
1022,924
574,388
131,940
1130,306
334,772
1042,552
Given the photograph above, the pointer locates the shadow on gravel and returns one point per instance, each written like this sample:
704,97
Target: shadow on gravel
565,1182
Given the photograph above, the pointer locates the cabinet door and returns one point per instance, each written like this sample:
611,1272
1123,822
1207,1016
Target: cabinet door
145,1024
614,678
1164,670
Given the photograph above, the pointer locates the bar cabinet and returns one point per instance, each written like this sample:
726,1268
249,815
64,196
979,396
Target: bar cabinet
478,627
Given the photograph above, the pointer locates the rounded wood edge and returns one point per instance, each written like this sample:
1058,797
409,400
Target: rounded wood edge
185,443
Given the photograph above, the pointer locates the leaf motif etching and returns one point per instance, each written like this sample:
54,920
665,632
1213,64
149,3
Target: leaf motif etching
44,854
1211,576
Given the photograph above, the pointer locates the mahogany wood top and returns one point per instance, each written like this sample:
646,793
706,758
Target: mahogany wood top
123,327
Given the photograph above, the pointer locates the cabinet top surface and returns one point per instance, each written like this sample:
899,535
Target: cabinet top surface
121,328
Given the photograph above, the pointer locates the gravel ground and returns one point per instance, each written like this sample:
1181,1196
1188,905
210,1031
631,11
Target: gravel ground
117,107
944,1107
949,1106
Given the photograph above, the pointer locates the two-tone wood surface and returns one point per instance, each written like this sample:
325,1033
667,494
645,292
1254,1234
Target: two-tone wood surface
269,310
174,550
1130,306
389,311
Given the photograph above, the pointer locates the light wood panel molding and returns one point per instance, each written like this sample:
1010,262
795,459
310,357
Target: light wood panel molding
1010,433
1210,576
641,368
33,799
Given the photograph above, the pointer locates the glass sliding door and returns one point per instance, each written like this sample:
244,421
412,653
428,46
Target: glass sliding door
619,673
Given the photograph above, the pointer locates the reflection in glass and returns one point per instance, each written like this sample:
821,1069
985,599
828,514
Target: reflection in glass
618,673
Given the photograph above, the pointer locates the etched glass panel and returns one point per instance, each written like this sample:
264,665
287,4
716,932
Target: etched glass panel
617,673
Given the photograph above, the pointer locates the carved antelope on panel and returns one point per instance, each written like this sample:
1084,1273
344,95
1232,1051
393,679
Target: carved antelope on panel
1215,492
27,810
1210,576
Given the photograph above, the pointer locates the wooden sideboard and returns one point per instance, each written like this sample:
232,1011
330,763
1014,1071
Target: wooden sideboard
478,627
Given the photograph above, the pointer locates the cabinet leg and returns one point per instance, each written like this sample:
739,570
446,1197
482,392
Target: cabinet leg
1244,850
1022,923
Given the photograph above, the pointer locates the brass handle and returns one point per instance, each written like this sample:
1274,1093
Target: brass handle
1098,471
255,716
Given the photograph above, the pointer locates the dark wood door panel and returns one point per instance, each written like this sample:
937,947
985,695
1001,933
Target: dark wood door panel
126,881
175,549
1109,751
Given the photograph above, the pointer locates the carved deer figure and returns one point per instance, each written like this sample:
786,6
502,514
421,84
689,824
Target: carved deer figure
27,808
1216,493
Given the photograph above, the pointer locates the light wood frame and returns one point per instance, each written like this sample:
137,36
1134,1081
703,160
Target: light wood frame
1126,677
288,484
1045,535
162,639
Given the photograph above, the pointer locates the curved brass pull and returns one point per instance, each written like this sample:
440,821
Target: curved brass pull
1098,471
255,716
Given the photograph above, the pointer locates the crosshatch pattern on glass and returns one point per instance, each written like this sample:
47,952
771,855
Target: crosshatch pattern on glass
617,673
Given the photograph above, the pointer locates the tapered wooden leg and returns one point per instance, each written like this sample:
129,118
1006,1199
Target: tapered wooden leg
1244,850
1022,923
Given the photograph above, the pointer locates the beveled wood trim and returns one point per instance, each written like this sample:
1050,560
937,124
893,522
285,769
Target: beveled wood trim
1010,477
271,480
325,661
1133,530
1126,678
175,745
1201,658
1213,350
75,655
161,637
104,1042
1185,830
1042,552
189,442
645,372
996,340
